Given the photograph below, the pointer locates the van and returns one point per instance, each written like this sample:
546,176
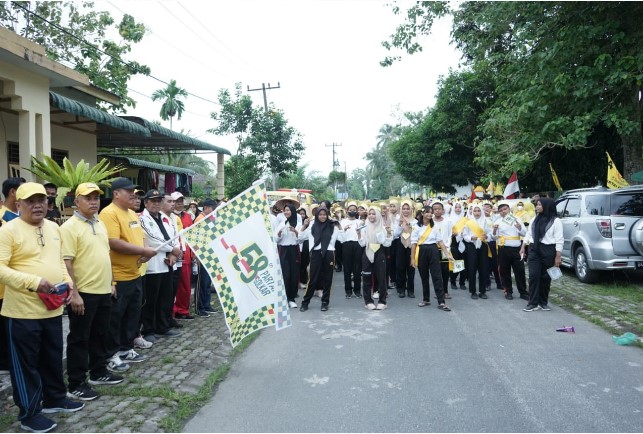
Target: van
304,197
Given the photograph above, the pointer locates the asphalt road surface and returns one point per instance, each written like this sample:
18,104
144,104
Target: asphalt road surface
487,366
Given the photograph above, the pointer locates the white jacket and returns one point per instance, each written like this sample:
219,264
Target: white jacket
154,238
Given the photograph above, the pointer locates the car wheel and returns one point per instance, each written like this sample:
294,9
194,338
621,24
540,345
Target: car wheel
581,266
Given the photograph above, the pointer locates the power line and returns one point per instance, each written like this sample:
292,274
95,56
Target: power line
264,88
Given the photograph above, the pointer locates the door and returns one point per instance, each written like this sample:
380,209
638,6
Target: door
627,209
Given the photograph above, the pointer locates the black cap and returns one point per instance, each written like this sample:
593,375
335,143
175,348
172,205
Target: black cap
123,183
153,194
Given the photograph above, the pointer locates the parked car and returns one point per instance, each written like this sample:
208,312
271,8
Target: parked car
603,230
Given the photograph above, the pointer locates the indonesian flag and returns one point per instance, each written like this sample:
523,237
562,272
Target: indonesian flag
512,189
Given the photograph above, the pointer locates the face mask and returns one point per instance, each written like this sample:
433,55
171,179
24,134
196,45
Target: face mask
352,214
520,207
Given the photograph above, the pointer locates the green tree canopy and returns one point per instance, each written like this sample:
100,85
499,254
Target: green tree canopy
172,104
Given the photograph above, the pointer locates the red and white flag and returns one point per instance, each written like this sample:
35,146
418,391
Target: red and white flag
512,190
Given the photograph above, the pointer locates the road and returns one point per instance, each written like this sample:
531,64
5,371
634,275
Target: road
487,366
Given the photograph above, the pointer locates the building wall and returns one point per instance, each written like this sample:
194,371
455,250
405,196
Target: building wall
80,145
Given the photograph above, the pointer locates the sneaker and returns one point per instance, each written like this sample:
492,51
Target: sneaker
38,423
115,364
463,286
370,306
131,356
292,304
545,307
524,297
531,308
171,334
175,325
150,338
357,295
202,314
142,343
509,296
324,307
210,309
83,392
474,296
482,296
106,379
349,296
454,286
411,295
183,316
64,406
376,294
380,306
303,308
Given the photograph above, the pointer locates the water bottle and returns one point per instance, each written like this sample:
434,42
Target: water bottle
195,269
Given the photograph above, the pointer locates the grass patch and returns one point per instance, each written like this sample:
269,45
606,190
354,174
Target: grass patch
6,420
103,423
629,293
168,359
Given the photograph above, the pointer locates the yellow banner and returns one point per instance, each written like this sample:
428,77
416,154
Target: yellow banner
555,178
614,178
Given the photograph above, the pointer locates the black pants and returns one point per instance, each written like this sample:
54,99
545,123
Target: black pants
508,259
374,276
493,266
125,316
405,272
87,339
352,252
391,261
36,349
339,257
321,276
158,302
457,256
540,259
477,262
305,261
289,258
4,343
429,262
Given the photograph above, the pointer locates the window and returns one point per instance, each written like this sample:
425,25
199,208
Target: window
13,153
597,204
573,207
560,207
630,204
59,155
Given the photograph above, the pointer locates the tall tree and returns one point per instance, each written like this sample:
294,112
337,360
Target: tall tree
172,104
240,172
78,33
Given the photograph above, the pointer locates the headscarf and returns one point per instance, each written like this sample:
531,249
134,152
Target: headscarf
371,231
322,232
292,220
406,242
455,217
543,220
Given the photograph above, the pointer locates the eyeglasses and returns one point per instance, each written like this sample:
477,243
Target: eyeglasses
41,237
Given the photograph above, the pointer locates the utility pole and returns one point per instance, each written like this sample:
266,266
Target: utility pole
264,88
335,161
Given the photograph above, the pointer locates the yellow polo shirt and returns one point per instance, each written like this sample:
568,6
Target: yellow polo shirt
88,249
123,225
24,262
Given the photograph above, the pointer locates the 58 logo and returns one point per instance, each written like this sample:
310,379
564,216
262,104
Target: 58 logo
249,262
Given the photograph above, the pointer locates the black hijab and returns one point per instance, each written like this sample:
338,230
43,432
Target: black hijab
292,220
543,220
322,232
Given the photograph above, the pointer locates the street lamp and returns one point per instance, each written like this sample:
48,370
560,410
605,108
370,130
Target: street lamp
207,188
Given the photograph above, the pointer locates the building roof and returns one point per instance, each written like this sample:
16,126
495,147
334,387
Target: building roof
134,162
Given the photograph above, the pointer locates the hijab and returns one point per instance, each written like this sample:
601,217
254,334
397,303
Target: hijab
322,232
543,220
292,220
372,229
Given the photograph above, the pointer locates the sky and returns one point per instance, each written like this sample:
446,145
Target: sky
324,55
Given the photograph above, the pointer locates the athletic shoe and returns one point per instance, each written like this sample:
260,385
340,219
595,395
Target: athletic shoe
474,296
175,324
380,306
150,338
64,406
376,294
348,296
115,364
524,297
106,379
482,296
509,296
545,307
324,307
131,356
183,316
454,286
463,286
303,308
531,308
370,306
38,423
171,334
202,314
210,309
292,304
142,343
83,392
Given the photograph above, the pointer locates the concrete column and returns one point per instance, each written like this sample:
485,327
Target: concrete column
220,177
27,139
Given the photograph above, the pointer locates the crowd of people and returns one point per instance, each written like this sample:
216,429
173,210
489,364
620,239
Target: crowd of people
122,273
455,243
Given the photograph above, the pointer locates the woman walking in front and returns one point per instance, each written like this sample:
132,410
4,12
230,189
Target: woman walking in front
476,233
373,238
289,255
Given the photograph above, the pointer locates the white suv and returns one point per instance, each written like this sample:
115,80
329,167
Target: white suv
603,230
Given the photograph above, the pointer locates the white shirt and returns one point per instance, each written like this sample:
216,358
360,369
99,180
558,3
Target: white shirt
287,237
507,230
349,233
433,237
444,228
554,235
307,234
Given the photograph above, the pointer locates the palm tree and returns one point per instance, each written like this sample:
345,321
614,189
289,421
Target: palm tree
172,105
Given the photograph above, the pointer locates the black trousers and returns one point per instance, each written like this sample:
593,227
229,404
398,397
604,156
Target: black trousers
405,272
321,276
289,258
125,316
540,259
339,257
158,303
374,276
508,259
477,263
391,261
352,252
36,349
429,262
4,342
305,261
457,256
493,266
87,339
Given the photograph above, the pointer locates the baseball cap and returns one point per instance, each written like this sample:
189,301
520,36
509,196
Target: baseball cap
153,194
86,188
123,183
28,189
176,195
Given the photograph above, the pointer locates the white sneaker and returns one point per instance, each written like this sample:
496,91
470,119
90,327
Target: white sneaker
115,364
380,306
319,293
376,294
141,343
370,306
131,356
292,304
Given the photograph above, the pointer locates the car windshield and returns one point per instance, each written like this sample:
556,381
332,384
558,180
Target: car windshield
629,204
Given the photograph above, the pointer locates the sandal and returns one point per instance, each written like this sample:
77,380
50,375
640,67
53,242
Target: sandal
444,307
424,303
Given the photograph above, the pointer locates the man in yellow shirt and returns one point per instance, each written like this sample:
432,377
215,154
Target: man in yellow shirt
127,252
86,255
31,263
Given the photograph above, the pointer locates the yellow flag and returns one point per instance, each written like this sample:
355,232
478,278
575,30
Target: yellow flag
555,178
614,178
490,188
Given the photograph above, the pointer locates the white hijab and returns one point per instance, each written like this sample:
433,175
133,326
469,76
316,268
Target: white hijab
371,231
